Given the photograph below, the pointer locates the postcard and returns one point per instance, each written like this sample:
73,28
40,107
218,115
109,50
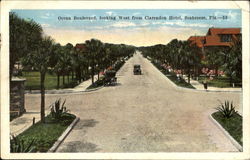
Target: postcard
125,80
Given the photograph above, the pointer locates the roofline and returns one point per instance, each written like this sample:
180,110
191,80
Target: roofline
224,28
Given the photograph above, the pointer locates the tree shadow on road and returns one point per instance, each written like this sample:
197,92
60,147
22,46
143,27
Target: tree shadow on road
114,85
86,123
78,146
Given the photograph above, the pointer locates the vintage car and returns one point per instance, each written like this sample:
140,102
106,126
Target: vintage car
137,69
109,78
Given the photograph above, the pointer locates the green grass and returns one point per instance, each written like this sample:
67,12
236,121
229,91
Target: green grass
172,76
181,82
232,125
33,81
220,82
46,134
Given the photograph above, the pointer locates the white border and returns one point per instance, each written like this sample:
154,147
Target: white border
6,6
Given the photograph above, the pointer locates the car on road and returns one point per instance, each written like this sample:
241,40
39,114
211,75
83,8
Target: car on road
137,69
109,78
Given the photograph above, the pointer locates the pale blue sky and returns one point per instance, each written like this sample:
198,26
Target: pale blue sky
137,32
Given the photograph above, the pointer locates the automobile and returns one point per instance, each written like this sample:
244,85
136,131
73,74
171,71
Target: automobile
110,78
137,69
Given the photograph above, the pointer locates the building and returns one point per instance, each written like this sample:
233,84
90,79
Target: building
197,40
80,46
216,37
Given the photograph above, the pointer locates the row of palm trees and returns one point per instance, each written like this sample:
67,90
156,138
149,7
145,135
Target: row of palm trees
30,46
181,55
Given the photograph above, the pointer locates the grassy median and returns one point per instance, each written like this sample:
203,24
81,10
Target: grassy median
232,125
172,76
46,134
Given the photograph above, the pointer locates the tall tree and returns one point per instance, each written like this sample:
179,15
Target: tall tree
215,57
25,36
189,58
40,59
93,49
233,64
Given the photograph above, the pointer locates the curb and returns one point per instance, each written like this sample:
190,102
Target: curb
63,136
67,92
232,140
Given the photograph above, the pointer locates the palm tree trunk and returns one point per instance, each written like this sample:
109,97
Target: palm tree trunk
92,74
72,75
63,79
42,78
58,81
189,77
216,71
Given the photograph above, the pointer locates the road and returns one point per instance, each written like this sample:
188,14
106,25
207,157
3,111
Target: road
143,113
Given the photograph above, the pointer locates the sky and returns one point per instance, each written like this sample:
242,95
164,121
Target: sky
138,27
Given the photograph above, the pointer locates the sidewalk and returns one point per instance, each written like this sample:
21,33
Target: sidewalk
200,86
20,124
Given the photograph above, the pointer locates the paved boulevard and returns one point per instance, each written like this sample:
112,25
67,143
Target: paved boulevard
143,113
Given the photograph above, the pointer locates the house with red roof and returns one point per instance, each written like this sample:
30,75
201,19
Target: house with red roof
80,46
222,37
197,40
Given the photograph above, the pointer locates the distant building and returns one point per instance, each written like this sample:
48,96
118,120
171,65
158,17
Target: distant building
80,46
216,37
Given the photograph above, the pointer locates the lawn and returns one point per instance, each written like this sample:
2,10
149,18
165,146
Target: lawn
172,76
46,134
181,82
221,82
33,81
232,125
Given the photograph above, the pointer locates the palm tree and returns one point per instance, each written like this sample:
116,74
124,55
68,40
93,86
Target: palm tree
215,58
93,49
233,63
57,63
25,36
40,60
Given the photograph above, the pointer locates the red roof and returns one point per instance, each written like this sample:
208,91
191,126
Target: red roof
213,36
80,46
216,31
197,40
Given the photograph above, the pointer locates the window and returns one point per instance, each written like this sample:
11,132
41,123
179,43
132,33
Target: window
226,38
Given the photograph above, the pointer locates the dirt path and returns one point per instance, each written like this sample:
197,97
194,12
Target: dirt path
143,113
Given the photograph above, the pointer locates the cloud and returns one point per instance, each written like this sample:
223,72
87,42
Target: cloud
183,24
110,13
232,16
47,15
123,24
45,25
136,13
44,17
139,36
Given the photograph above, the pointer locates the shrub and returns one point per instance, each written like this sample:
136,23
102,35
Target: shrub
227,109
66,119
18,146
57,109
